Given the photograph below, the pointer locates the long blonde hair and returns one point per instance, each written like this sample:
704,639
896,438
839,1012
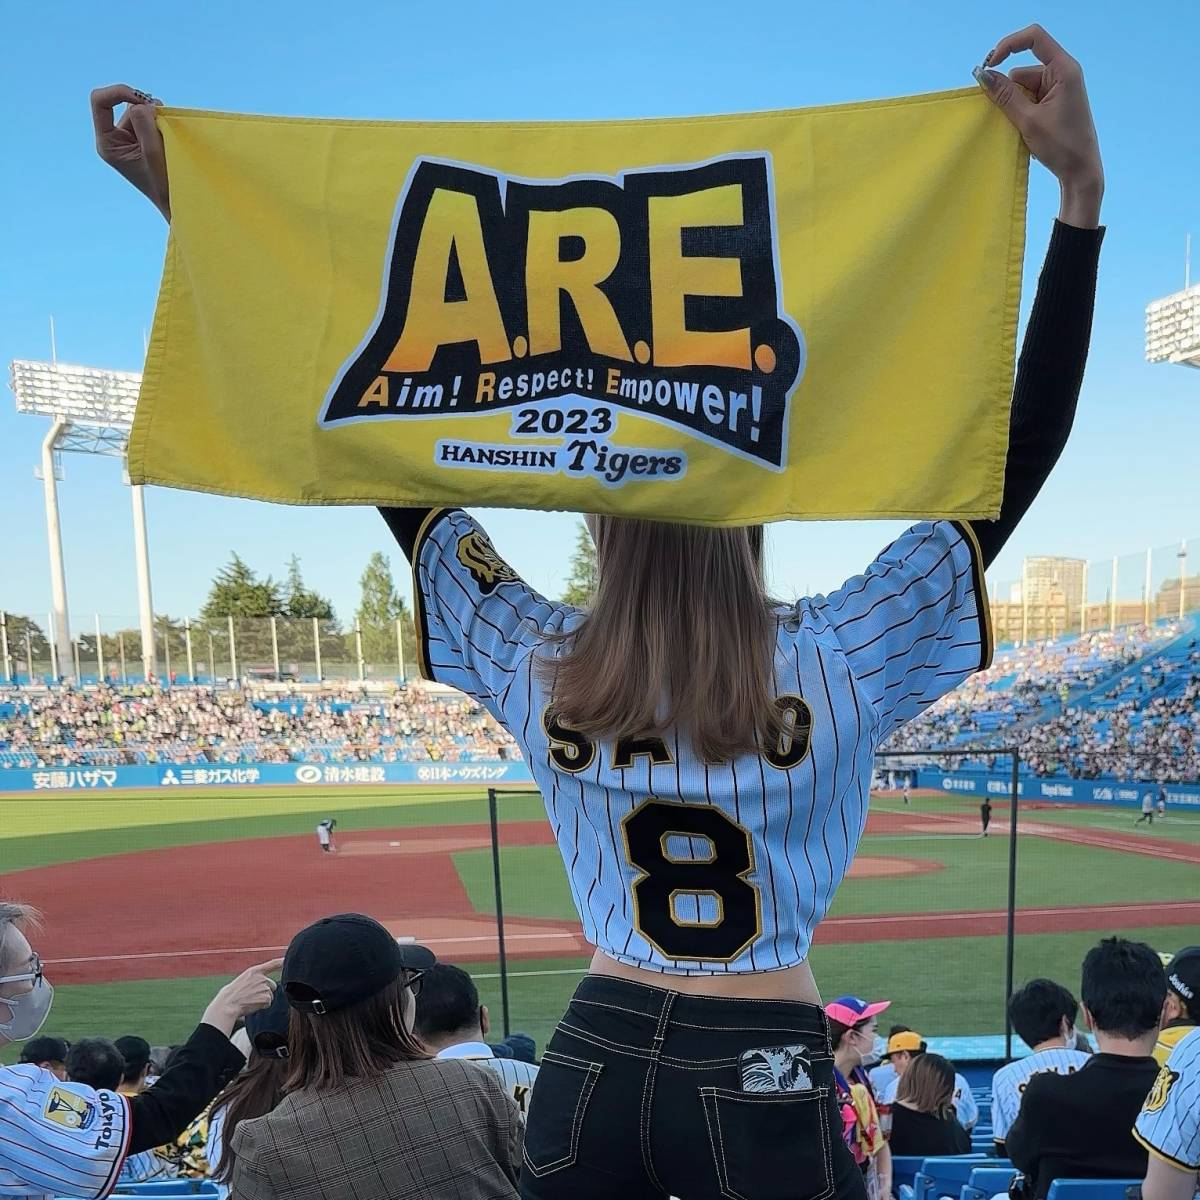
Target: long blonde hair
680,634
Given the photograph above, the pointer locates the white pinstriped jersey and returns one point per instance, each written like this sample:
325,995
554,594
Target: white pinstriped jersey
1169,1123
518,1077
677,865
1008,1084
58,1139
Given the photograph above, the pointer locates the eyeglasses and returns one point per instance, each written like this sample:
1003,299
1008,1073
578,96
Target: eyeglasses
33,975
413,982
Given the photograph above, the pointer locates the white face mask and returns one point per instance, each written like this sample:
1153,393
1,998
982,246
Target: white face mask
29,1012
872,1056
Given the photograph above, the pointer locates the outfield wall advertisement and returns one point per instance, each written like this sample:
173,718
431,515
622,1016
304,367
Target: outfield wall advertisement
1055,787
227,775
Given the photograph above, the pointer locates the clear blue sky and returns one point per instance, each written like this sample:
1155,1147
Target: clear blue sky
78,243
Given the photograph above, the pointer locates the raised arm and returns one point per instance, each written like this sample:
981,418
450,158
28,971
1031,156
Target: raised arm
1049,106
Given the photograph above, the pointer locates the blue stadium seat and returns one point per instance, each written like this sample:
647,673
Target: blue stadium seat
1091,1189
986,1182
944,1176
904,1168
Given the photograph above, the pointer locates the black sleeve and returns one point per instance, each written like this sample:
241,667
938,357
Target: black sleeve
1024,1135
202,1067
405,524
1049,375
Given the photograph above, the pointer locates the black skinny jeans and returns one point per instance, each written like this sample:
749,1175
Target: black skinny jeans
640,1095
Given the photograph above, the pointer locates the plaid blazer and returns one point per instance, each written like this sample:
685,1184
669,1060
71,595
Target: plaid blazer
436,1129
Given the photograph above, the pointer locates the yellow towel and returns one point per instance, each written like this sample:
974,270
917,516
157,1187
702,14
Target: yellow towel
716,319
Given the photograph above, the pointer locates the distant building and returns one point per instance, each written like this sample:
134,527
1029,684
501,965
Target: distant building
1166,603
1044,604
1053,581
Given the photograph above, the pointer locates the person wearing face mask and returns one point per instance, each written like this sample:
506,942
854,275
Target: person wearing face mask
71,1138
852,1027
1043,1013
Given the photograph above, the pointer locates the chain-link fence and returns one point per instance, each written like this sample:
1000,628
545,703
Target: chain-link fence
1061,596
208,651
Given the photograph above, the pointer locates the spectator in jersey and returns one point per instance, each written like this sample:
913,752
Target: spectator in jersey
453,1024
136,1053
1079,1126
49,1053
71,1138
100,1064
904,1047
1043,1013
1181,1013
923,1116
1169,1126
254,1093
358,1077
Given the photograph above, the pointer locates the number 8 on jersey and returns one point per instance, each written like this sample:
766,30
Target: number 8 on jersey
660,841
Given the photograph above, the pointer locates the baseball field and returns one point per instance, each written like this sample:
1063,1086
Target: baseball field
152,901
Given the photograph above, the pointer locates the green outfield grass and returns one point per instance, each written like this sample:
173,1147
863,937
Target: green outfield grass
973,875
33,833
942,986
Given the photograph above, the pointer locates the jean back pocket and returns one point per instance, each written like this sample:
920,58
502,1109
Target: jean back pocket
560,1099
770,1145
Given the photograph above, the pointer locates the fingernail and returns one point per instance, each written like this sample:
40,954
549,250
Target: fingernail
987,58
986,79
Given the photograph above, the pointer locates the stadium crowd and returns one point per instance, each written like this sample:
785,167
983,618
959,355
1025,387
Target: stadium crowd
1108,705
108,725
366,1071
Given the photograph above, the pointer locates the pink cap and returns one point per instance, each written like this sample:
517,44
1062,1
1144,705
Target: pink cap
849,1010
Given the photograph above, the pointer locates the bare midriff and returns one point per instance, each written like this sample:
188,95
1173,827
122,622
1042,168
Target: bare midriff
792,983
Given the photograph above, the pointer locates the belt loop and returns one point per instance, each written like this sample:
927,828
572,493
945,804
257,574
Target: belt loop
664,1017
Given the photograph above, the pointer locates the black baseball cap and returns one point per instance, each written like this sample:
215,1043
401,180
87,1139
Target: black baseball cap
338,961
267,1029
1183,977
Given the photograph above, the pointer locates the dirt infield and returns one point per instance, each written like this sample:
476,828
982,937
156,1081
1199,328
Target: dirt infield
135,915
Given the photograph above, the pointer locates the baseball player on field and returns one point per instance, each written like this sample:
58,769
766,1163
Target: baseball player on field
325,830
68,1139
1169,1126
705,752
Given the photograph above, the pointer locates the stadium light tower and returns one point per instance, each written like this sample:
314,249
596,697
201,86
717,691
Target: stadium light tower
91,412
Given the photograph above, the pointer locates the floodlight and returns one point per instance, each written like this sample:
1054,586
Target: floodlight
1173,328
97,405
91,412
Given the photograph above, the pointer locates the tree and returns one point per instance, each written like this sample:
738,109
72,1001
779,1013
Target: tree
238,592
16,629
300,601
581,582
379,608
